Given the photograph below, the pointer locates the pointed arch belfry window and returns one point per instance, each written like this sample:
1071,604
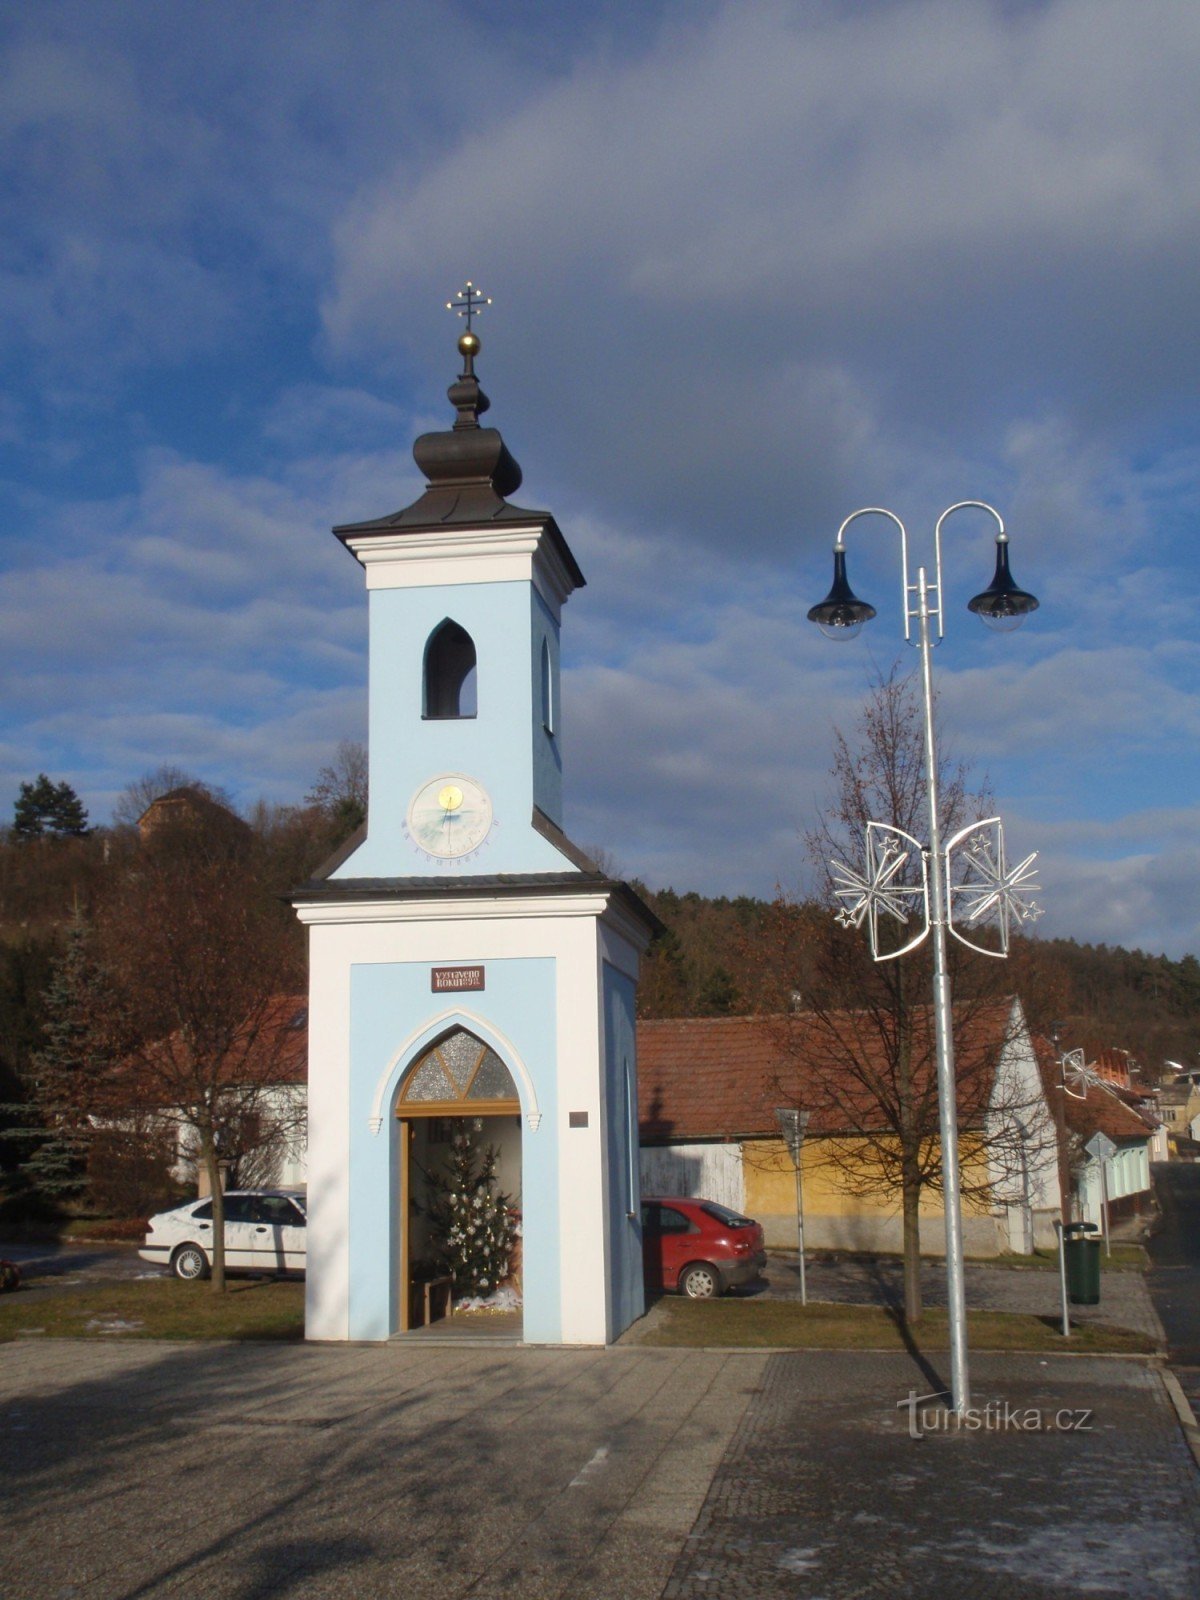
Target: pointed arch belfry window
460,1076
449,689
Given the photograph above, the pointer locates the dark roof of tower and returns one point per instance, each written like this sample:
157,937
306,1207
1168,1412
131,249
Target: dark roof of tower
469,473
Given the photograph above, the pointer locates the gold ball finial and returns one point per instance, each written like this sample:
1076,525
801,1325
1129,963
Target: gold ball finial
468,344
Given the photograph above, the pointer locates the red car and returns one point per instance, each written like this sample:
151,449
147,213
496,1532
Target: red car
698,1247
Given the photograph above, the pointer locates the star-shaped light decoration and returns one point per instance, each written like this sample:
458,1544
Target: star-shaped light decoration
1077,1076
880,888
984,888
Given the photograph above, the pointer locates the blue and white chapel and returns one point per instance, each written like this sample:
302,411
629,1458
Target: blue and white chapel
466,960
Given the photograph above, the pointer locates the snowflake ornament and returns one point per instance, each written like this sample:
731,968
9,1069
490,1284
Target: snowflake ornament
983,889
881,887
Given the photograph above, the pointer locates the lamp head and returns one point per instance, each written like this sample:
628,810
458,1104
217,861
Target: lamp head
841,614
1002,605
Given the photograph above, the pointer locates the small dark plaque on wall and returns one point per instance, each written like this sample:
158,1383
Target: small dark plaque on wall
443,980
578,1119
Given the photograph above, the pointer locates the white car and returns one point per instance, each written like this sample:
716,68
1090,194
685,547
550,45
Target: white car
264,1232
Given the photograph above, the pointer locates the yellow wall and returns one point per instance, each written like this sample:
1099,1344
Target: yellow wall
833,1217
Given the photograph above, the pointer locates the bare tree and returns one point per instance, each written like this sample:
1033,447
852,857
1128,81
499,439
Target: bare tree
860,1040
198,961
341,789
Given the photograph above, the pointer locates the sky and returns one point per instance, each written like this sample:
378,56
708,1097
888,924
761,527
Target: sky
753,265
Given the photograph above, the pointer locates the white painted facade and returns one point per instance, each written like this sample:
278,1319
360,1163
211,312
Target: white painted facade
281,1162
568,1173
1126,1173
708,1171
1023,1144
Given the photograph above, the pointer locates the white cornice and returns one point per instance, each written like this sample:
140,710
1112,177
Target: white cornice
454,908
465,555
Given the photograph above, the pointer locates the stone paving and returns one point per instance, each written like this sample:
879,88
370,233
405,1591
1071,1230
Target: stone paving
1124,1299
242,1472
238,1472
824,1494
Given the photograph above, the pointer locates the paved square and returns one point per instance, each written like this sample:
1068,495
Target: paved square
139,1469
244,1471
823,1492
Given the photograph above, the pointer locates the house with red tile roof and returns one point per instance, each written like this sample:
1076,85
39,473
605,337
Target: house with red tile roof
708,1089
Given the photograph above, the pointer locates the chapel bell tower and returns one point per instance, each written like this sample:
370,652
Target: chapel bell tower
469,966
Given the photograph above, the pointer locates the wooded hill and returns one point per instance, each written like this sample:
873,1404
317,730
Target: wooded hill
718,957
724,957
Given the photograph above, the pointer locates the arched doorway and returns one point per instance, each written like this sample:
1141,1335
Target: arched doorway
459,1084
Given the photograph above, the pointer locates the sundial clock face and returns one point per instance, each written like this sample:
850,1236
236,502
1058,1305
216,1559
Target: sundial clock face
449,817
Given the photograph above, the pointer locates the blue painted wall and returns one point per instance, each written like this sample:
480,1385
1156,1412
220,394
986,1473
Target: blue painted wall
388,1002
504,745
626,1296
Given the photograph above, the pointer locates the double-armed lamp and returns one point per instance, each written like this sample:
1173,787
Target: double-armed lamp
1002,605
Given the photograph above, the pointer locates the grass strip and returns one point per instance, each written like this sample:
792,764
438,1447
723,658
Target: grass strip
1124,1258
250,1308
783,1324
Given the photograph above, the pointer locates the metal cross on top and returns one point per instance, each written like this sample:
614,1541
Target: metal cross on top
469,303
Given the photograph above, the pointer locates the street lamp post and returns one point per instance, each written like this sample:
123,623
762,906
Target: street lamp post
792,1125
841,615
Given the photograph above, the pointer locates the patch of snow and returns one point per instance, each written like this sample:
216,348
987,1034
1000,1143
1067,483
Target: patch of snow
1092,1557
799,1560
113,1325
498,1300
598,1459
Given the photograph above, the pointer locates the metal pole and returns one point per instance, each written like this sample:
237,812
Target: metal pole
1104,1205
1060,1139
800,1220
943,1020
1061,1230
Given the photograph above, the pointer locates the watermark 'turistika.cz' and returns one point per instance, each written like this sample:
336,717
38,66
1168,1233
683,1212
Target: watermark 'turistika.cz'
927,1413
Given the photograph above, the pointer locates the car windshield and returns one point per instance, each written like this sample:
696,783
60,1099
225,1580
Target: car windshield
731,1219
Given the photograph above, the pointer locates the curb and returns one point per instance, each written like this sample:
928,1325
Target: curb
1183,1410
1146,1357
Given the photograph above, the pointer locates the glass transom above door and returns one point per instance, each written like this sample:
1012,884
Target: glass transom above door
459,1070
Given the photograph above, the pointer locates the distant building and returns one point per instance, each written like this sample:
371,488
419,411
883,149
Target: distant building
1099,1103
189,806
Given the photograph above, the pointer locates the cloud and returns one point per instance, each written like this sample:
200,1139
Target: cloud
950,212
1146,901
211,621
168,177
754,265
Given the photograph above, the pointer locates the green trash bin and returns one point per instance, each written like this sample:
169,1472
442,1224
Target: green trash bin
1083,1264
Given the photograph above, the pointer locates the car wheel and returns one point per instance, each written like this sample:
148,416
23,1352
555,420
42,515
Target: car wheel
189,1263
700,1281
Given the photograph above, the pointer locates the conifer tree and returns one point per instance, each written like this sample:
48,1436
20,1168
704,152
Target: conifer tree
44,807
63,1076
472,1225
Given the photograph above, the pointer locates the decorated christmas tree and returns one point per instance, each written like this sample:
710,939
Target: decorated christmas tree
472,1223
